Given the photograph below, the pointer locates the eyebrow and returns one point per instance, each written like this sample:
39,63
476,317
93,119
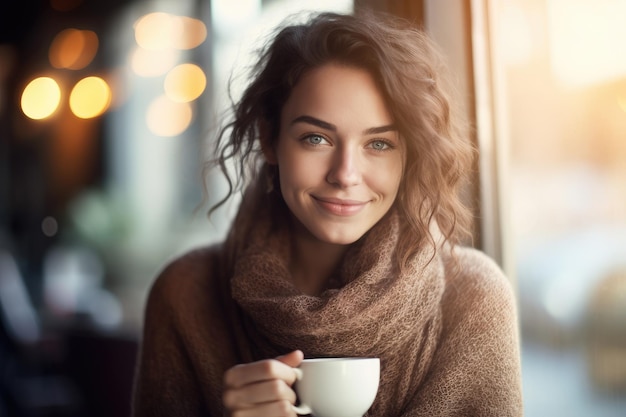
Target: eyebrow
329,126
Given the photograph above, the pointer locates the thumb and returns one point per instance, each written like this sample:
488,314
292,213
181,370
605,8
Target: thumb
292,359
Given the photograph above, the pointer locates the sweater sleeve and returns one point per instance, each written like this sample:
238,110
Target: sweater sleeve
476,370
179,369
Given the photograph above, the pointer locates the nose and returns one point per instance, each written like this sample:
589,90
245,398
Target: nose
345,169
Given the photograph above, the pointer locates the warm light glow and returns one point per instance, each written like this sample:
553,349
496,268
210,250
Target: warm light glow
73,49
168,118
154,31
40,98
515,35
90,97
621,102
586,39
188,32
148,63
185,83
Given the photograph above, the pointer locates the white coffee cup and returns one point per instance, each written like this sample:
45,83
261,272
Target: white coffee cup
336,387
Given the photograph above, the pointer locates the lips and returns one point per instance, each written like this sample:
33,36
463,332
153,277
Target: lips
340,207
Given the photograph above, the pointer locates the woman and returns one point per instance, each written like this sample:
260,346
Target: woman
347,243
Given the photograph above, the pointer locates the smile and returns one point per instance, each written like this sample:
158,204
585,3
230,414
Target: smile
340,207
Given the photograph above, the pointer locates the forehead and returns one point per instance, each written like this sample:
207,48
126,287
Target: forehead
339,94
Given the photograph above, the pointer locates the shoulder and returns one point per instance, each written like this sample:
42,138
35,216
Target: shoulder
476,363
470,269
475,264
186,278
477,287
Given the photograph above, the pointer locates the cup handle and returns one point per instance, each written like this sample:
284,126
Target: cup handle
301,409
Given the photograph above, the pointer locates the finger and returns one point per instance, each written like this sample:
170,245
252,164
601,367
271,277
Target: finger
241,375
277,408
259,393
292,359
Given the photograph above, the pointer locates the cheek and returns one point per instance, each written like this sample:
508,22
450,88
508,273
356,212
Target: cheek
387,180
299,172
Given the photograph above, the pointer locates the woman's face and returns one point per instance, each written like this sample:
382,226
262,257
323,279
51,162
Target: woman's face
339,154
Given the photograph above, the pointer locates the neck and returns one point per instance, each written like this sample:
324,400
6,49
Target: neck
313,262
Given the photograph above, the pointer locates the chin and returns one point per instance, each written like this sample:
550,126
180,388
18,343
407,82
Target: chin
334,239
329,232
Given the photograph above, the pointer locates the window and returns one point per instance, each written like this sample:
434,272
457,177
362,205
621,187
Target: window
554,85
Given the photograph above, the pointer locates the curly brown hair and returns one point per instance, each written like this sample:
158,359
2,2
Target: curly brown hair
410,73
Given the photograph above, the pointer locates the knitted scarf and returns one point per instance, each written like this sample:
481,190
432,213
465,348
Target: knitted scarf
371,308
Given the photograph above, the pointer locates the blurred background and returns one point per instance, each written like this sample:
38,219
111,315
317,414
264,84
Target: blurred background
108,110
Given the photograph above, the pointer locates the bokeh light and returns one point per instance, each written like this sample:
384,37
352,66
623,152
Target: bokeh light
154,31
49,226
185,83
168,118
158,31
149,63
188,33
73,49
90,97
41,98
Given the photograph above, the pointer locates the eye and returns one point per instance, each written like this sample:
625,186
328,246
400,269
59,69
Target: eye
380,145
315,140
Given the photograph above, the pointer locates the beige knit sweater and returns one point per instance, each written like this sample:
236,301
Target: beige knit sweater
448,342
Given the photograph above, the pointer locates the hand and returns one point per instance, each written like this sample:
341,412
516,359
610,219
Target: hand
262,388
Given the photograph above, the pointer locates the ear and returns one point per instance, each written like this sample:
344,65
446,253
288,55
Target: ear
265,138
